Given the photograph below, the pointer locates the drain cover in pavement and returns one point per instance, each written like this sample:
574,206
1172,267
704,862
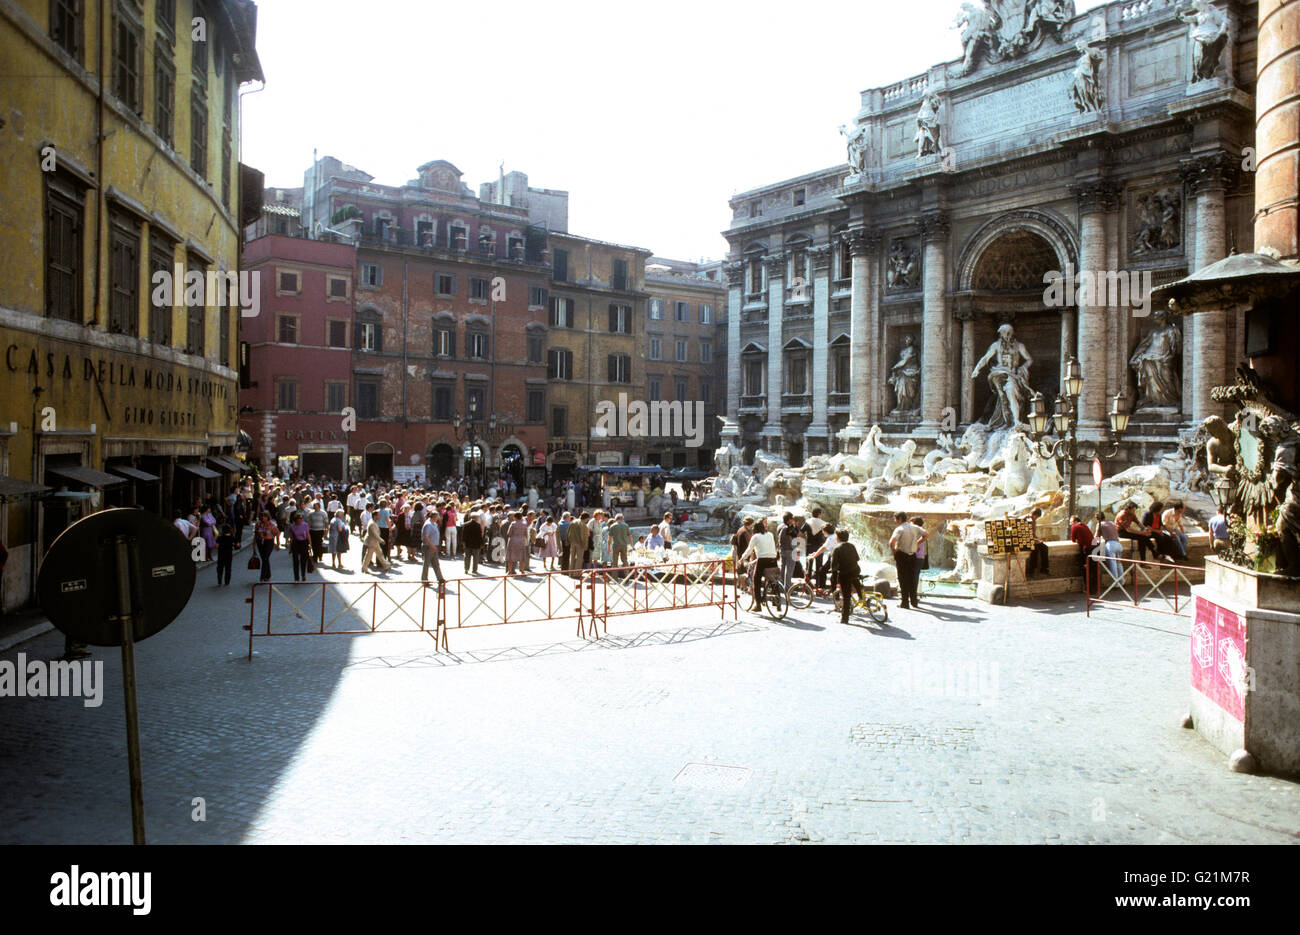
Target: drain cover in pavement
712,778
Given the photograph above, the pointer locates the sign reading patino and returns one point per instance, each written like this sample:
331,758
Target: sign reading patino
1008,535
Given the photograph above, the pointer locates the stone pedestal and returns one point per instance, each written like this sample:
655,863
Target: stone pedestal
1245,683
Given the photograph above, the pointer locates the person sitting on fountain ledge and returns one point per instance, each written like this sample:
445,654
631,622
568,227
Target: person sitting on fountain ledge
1165,545
1037,562
1218,531
1144,537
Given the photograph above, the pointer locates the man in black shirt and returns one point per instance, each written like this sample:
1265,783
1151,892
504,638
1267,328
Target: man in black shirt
846,574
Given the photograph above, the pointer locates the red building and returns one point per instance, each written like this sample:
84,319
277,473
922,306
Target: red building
429,360
296,366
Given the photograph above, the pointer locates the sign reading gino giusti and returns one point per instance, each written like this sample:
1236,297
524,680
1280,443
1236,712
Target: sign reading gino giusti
124,393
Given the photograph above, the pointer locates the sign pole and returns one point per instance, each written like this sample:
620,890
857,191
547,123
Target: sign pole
126,621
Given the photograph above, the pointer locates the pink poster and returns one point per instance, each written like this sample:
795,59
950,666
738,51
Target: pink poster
1219,657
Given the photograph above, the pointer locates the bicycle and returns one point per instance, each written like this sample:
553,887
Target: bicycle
873,602
801,595
774,596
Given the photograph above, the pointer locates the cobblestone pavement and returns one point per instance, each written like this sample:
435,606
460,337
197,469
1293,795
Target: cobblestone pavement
956,723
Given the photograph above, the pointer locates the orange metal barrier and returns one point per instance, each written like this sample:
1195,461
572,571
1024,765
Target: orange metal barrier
308,608
591,596
1162,584
645,589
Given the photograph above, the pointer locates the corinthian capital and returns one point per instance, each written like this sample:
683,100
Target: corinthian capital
775,263
820,256
1097,195
1216,170
735,272
862,241
935,225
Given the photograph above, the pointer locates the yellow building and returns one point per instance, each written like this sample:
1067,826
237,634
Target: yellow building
119,133
597,311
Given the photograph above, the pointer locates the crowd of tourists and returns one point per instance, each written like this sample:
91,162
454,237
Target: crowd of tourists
385,523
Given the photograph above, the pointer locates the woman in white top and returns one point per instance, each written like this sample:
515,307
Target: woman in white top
762,547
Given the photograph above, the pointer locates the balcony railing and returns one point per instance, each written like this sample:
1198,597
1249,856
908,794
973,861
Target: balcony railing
406,239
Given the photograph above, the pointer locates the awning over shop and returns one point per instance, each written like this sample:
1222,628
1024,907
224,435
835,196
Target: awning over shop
88,476
134,473
626,470
227,463
198,470
11,488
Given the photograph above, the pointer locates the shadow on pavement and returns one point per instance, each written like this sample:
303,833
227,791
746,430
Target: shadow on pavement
213,726
607,642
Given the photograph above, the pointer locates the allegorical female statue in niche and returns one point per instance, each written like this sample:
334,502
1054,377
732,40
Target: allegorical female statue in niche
1157,364
905,377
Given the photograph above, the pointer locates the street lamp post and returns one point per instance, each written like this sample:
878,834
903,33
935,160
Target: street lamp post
468,428
1066,425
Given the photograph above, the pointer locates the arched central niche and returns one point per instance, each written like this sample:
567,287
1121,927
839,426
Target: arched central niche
1049,229
1004,274
1015,262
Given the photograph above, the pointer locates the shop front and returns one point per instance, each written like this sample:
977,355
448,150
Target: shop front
100,425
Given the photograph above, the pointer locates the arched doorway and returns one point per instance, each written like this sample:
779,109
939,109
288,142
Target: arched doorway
441,462
563,465
378,461
512,460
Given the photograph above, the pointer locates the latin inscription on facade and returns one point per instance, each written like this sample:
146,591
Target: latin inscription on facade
1012,109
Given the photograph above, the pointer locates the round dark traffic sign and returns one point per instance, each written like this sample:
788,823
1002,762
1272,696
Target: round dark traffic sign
78,583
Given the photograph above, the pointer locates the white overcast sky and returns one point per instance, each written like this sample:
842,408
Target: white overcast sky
651,115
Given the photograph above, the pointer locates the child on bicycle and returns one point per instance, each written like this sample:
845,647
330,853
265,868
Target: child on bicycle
845,571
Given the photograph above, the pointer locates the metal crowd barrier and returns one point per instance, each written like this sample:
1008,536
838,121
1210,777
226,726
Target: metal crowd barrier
590,596
1161,581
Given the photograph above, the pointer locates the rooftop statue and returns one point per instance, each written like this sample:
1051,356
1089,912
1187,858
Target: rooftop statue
1003,29
1209,34
927,137
1086,91
858,146
979,25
